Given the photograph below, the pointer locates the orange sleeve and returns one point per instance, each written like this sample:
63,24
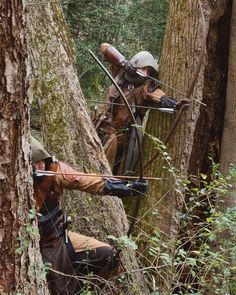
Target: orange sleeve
71,179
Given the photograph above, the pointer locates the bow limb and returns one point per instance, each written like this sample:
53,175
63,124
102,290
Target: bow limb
190,89
138,201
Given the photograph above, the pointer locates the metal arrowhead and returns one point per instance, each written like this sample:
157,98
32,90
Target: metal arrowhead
44,173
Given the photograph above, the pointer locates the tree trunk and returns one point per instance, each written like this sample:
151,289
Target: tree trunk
21,265
228,144
226,203
180,57
199,131
67,128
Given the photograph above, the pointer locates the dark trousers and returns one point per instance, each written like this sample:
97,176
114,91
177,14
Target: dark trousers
100,261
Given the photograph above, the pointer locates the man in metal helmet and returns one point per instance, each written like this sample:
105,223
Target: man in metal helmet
38,151
69,252
144,59
113,124
145,63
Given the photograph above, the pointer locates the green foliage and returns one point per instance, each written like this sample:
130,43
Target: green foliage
24,244
123,242
30,230
148,19
129,26
203,258
44,269
88,288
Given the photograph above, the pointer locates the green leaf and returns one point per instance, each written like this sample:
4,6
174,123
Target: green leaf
203,176
166,257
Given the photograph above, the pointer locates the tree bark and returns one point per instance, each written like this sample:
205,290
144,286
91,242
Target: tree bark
68,131
179,60
228,144
227,202
21,265
198,133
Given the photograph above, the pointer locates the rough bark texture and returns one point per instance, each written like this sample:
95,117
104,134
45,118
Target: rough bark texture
67,129
228,155
199,131
208,133
228,145
21,272
181,51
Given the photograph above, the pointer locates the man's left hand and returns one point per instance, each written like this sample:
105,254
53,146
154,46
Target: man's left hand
168,102
185,103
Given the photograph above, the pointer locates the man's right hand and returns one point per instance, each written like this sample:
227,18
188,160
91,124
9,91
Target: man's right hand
128,67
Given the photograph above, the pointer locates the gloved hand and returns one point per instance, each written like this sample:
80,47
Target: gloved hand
131,74
138,187
128,67
168,102
122,189
183,102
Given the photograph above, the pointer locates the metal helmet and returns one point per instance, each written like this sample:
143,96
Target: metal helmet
38,151
141,60
144,59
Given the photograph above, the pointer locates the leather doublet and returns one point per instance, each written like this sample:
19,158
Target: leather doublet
43,186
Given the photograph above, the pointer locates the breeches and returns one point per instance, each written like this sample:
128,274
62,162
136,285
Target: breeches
79,255
93,256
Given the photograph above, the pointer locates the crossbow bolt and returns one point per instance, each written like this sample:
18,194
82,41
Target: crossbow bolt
39,173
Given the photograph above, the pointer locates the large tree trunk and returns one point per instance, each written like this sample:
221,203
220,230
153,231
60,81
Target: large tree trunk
21,265
67,128
199,130
226,203
228,145
179,60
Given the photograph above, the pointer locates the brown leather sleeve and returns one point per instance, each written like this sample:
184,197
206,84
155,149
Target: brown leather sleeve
71,179
43,187
113,56
155,95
